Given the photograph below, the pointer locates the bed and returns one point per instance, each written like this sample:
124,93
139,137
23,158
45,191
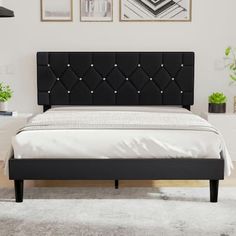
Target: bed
117,116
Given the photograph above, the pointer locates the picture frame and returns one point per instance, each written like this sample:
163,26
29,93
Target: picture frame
96,10
57,10
156,11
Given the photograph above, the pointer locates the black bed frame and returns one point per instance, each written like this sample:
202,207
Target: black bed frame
116,78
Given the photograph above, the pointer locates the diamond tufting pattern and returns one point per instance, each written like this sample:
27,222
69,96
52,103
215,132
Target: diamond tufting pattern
115,78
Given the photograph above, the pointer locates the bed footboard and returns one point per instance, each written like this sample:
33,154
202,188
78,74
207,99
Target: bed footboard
116,169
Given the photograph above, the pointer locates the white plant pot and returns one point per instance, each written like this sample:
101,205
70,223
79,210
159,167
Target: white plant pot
3,106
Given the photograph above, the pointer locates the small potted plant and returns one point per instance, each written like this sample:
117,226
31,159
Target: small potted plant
217,103
5,96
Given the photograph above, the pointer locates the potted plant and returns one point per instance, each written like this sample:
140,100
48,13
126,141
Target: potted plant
217,103
5,96
230,54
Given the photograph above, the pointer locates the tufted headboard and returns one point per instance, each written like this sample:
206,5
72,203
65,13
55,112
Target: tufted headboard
115,78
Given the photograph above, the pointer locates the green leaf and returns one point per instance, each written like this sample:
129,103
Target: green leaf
5,92
231,67
227,51
233,77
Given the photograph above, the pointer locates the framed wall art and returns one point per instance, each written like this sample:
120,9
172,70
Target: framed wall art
155,10
96,10
56,10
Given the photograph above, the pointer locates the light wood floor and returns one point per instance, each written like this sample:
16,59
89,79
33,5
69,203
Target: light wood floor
229,181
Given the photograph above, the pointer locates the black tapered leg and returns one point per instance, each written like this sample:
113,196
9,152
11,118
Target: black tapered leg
116,184
19,189
214,187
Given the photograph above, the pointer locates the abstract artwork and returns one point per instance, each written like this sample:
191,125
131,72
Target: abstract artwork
56,10
155,10
96,10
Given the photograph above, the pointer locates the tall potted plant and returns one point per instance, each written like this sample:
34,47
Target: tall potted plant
230,54
5,96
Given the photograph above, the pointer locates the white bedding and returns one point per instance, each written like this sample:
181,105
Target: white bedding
129,132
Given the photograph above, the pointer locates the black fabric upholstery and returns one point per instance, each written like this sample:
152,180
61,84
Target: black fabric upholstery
115,78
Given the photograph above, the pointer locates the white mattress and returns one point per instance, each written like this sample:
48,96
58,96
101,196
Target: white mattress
119,143
116,144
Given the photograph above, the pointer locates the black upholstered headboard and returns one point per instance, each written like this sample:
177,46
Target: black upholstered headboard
115,78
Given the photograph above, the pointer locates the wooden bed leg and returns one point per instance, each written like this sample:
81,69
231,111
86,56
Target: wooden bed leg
214,187
19,189
116,184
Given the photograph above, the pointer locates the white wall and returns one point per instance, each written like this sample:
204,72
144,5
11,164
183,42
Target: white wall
212,29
